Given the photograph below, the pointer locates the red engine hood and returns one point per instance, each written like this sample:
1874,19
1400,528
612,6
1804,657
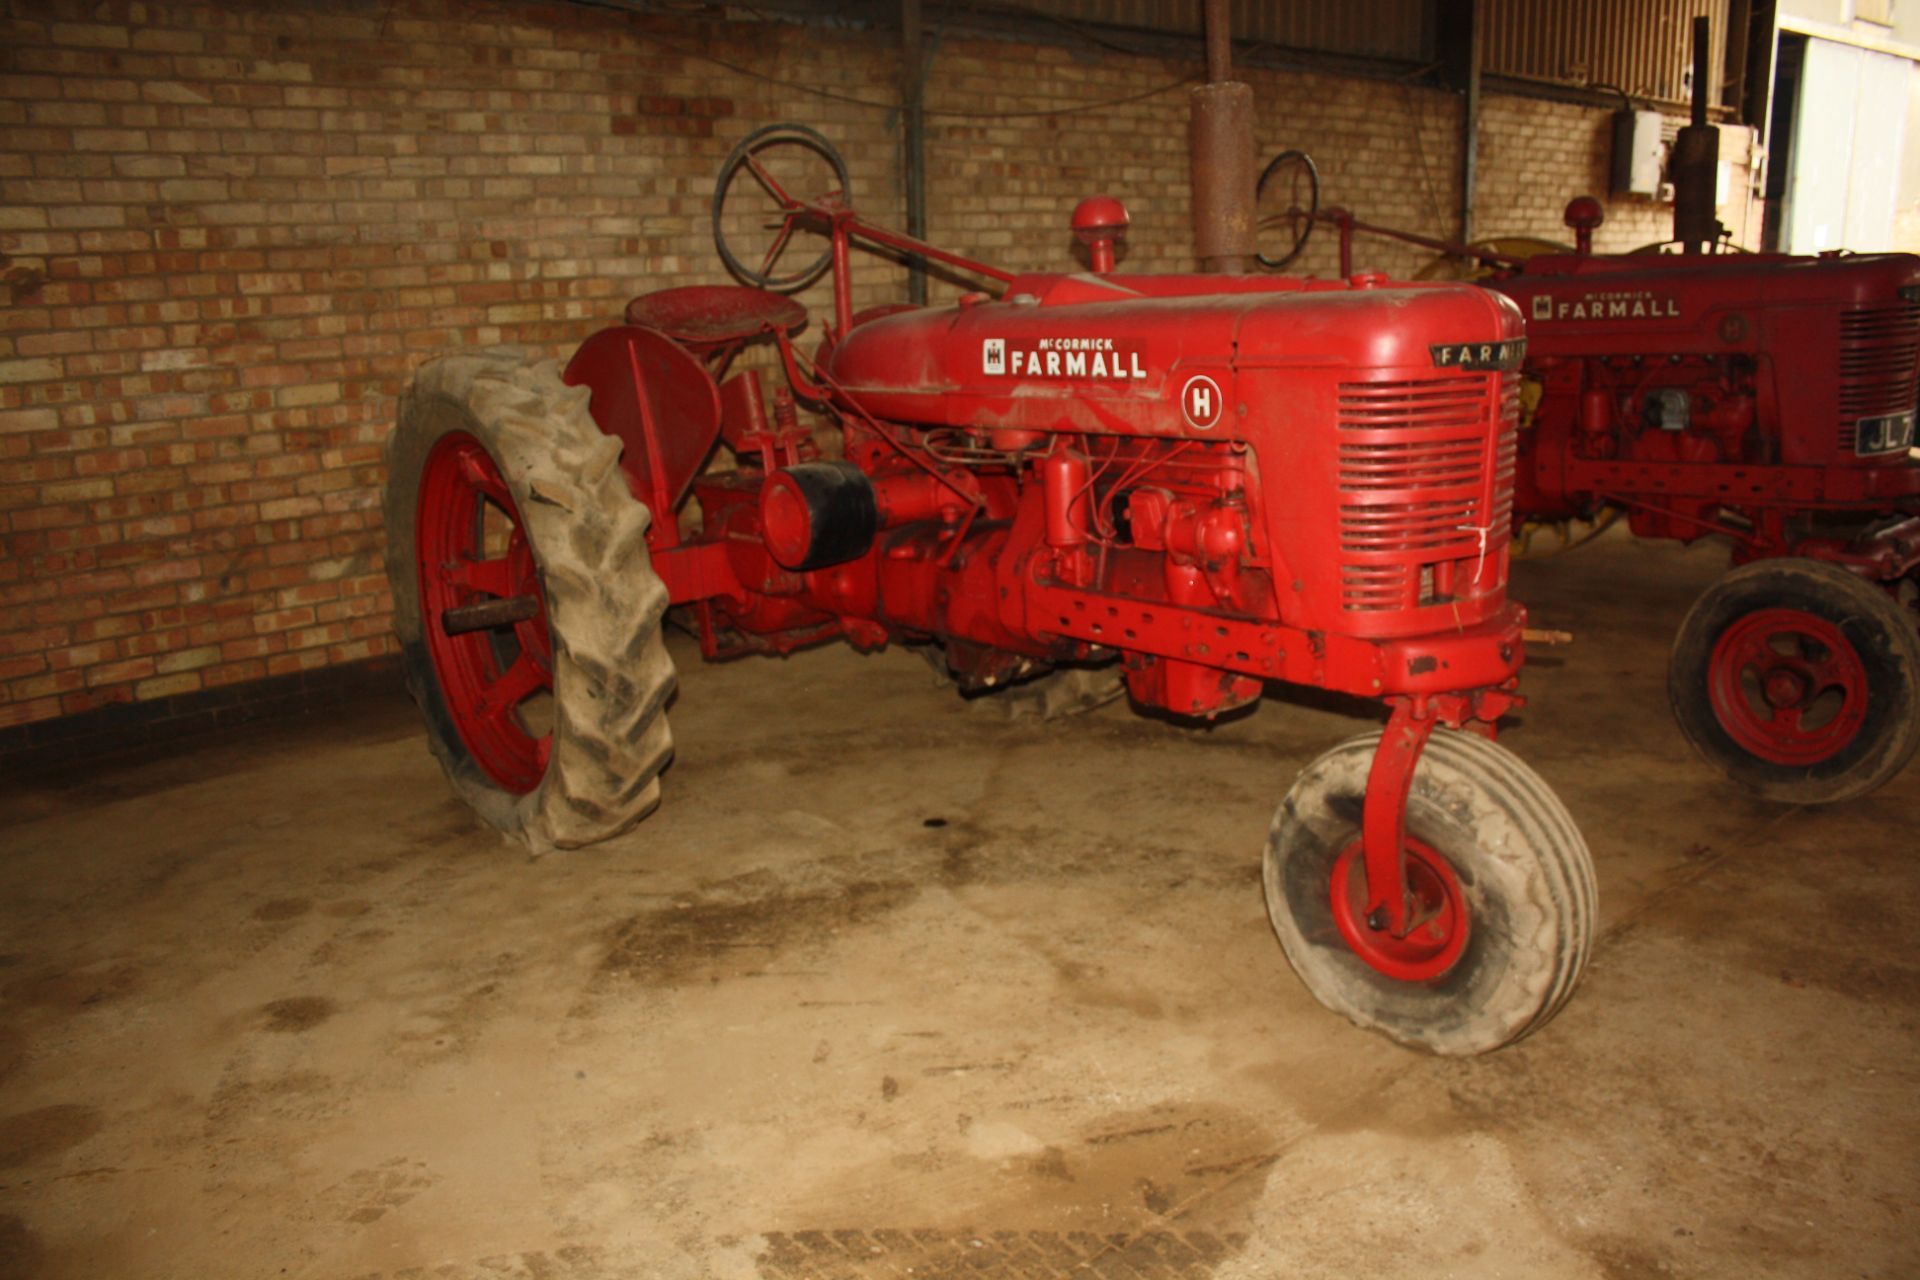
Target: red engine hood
1114,353
1568,296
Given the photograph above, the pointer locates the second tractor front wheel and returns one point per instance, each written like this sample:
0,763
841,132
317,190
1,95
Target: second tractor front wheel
1500,881
1798,680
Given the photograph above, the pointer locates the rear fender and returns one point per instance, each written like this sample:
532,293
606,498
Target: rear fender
657,399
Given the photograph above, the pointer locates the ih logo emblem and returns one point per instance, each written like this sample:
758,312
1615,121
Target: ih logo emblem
1543,306
993,357
1202,402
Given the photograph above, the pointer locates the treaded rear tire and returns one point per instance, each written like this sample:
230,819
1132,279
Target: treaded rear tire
1523,868
612,675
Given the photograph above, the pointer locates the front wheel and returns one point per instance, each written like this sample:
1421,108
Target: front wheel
526,605
1500,877
1798,680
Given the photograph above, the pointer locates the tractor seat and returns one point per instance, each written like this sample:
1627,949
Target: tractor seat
712,315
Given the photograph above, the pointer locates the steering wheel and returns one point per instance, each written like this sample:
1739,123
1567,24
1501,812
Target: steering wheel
1295,181
779,158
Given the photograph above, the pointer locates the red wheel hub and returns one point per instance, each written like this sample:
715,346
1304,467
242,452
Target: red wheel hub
1787,686
1437,914
472,550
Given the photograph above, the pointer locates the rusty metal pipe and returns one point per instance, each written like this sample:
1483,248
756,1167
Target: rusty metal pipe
1221,144
1695,160
1219,42
485,615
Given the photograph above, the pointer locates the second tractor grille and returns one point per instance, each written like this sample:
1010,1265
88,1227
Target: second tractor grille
1412,487
1879,364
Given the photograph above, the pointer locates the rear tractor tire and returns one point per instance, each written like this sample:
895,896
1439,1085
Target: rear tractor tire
1798,680
1500,874
527,608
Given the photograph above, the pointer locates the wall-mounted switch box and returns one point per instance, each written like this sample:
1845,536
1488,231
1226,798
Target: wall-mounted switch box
1638,152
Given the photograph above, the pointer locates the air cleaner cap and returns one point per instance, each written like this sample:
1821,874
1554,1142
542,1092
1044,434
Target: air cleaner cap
1097,222
1584,213
1099,216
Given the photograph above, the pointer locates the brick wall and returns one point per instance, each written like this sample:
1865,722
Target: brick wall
230,231
1535,155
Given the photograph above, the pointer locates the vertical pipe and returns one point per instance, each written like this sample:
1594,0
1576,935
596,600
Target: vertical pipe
1470,122
1459,42
1219,42
1702,42
913,85
1695,159
1220,138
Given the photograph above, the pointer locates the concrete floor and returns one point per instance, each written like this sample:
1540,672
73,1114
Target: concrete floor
891,987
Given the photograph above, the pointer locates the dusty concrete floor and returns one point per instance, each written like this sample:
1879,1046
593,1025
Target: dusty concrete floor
892,987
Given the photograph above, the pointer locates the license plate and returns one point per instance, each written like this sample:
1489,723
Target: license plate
1888,433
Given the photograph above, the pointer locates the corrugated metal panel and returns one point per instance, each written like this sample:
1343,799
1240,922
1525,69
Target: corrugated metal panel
1644,47
1392,29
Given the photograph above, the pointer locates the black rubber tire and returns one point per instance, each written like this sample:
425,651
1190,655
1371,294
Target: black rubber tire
1312,171
1523,868
765,136
612,675
1882,633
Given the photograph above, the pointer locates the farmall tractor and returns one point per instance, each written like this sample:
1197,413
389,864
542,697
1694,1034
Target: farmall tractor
1767,398
1212,482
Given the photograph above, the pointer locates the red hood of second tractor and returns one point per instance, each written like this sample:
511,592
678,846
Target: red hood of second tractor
1571,299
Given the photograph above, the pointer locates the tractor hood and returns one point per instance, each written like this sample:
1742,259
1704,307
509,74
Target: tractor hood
1124,353
1635,294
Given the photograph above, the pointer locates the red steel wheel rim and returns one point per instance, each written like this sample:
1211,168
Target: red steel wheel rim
1772,668
1439,934
484,689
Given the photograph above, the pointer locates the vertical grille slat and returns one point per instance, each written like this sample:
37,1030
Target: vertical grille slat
1411,476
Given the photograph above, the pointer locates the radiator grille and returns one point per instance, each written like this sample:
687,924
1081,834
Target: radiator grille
1879,364
1412,488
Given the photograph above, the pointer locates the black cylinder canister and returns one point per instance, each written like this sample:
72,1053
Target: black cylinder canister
815,514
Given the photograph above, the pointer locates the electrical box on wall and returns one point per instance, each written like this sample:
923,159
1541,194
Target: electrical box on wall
1637,152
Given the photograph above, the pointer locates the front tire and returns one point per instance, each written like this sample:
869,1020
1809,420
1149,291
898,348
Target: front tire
502,490
1493,857
1798,680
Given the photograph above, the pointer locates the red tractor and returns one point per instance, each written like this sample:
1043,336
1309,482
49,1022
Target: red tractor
1763,397
1211,481
1769,399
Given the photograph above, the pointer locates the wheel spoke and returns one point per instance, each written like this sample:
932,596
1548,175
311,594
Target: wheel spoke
1832,672
1754,649
482,477
778,247
490,577
515,685
768,181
